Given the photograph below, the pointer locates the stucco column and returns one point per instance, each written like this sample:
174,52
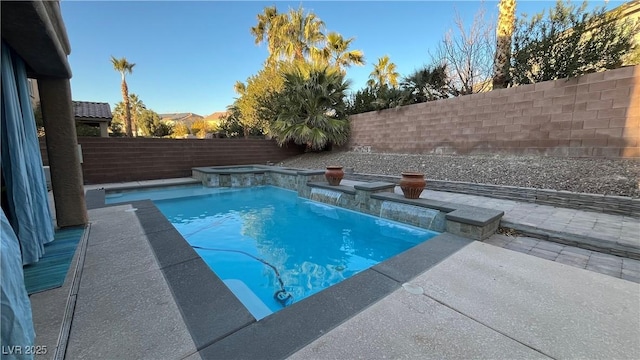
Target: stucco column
62,149
104,129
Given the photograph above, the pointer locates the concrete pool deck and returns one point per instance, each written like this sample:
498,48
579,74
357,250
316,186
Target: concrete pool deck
488,302
481,302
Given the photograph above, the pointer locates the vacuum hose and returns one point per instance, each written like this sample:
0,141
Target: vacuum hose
284,297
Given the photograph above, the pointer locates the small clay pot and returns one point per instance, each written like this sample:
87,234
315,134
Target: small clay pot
334,175
412,184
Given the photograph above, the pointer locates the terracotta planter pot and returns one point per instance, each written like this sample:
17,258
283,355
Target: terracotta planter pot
412,184
334,175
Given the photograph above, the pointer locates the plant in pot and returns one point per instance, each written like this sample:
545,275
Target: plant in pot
334,175
412,183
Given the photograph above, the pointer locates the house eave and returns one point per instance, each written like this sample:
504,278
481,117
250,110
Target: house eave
36,32
92,119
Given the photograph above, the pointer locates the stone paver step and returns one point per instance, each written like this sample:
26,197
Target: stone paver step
613,234
612,265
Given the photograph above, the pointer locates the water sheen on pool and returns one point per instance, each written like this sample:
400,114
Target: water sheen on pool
272,248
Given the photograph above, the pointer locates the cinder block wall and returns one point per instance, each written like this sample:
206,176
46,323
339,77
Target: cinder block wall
595,115
108,160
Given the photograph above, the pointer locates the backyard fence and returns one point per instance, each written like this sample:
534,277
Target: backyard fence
595,115
107,160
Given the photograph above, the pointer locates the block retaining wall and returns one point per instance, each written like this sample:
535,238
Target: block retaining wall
595,115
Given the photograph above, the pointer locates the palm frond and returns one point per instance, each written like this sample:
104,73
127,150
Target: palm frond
311,107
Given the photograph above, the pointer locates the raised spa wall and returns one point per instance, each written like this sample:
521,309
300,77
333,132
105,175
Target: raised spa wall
375,198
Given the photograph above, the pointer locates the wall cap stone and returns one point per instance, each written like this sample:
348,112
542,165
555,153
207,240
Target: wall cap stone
425,203
373,186
475,216
311,172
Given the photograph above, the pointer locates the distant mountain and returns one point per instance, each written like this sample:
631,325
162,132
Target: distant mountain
214,119
186,118
215,116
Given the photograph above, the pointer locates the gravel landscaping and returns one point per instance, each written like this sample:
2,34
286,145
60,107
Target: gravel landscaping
595,176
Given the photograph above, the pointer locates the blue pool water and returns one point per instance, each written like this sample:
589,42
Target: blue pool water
265,240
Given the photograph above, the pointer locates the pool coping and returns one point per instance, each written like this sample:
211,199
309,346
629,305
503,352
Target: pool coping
254,169
221,327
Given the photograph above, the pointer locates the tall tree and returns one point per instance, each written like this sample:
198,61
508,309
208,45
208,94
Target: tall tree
467,52
124,67
299,34
151,125
384,73
336,52
137,106
118,113
240,88
504,32
254,117
267,27
117,122
230,123
180,130
289,36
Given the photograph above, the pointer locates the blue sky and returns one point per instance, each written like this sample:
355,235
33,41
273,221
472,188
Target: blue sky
188,54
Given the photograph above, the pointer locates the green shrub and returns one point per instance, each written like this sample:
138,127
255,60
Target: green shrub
569,42
87,130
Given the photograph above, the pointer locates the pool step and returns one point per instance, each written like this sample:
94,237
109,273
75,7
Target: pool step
248,298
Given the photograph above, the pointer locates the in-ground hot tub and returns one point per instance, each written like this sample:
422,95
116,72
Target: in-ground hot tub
253,175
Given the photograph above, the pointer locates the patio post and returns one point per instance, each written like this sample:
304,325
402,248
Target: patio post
62,150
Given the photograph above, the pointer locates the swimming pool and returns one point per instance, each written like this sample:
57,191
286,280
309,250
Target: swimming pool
272,248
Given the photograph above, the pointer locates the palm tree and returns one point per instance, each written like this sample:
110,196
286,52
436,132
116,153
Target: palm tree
292,36
124,67
504,32
426,84
118,115
240,88
384,73
300,34
336,52
137,106
265,30
312,110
